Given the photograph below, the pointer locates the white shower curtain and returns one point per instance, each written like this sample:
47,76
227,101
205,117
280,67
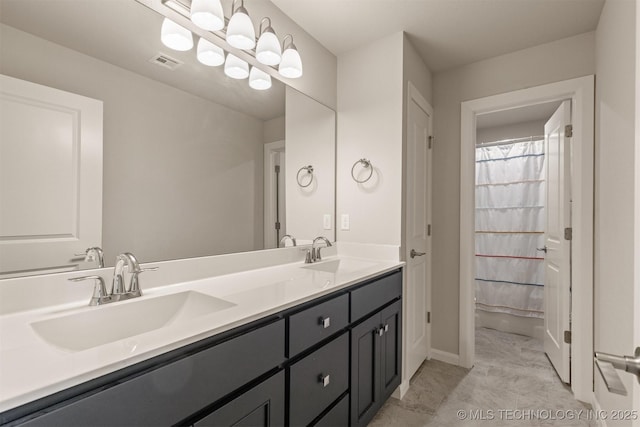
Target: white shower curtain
510,220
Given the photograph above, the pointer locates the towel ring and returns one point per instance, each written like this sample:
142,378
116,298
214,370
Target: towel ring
309,170
366,164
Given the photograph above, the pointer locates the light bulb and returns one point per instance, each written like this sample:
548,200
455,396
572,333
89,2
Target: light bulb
268,50
236,68
207,14
240,31
291,64
258,79
174,36
209,54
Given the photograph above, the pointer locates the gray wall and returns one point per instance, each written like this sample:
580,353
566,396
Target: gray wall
176,184
515,130
571,57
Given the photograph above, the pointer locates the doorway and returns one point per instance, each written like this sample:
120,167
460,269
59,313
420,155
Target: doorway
274,194
581,94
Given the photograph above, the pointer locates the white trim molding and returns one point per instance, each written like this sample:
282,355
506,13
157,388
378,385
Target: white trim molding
581,93
446,357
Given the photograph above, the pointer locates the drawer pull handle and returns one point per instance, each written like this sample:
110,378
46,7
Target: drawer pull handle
325,322
324,380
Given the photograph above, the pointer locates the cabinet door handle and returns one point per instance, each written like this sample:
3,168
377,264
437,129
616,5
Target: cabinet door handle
324,379
325,322
380,331
386,327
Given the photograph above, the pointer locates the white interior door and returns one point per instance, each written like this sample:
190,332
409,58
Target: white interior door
557,287
50,176
418,240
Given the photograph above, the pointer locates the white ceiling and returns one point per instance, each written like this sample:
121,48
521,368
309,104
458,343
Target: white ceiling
446,33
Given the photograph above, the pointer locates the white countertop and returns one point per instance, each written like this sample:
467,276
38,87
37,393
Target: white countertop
31,368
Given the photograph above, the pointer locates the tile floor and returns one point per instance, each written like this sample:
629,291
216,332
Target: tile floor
511,384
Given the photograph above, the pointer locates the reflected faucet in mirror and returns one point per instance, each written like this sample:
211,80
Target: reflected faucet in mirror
94,254
289,237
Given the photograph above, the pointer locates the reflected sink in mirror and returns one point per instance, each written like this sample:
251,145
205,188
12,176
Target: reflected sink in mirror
340,266
109,323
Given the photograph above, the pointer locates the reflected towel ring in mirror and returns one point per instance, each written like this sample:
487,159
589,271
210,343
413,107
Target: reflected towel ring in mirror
366,164
309,170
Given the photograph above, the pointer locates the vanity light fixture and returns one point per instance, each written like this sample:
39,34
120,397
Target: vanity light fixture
268,49
209,54
207,14
259,80
174,36
236,68
291,64
240,31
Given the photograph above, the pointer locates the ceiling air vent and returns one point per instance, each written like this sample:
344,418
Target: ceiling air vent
165,61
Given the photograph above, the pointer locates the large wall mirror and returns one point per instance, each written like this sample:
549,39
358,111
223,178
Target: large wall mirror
194,163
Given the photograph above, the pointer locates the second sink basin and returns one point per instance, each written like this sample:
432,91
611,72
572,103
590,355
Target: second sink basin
340,266
113,322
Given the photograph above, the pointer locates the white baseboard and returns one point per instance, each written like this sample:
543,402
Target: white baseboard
446,357
401,391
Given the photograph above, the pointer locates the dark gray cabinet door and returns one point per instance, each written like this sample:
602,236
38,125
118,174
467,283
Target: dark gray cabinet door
262,406
365,368
391,349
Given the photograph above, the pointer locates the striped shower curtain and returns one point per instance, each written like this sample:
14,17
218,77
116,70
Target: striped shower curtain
510,221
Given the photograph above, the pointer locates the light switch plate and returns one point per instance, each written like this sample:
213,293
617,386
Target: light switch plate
326,221
344,222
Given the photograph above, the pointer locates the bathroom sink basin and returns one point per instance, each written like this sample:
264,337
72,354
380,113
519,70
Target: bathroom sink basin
116,321
340,266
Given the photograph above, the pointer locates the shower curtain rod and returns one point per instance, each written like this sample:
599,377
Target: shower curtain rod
510,141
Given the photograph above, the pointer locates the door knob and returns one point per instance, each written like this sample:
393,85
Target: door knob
543,249
415,253
606,364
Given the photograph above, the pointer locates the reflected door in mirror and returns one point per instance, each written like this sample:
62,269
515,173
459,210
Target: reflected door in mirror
50,176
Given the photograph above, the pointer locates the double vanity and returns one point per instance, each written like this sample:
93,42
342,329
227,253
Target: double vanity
284,344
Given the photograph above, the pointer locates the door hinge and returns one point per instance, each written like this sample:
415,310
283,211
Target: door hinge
567,337
430,141
428,317
568,233
568,131
428,229
277,168
277,226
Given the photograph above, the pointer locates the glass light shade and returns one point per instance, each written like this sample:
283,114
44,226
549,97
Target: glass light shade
210,54
174,36
236,68
291,64
258,79
207,14
268,50
240,31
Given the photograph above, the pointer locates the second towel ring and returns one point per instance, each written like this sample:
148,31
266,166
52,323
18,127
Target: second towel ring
366,164
309,170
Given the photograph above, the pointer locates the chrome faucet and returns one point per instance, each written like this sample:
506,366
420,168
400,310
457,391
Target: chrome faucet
290,237
314,255
94,254
118,290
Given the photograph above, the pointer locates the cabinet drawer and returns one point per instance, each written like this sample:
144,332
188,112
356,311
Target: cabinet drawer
317,323
175,391
263,405
337,416
309,395
370,297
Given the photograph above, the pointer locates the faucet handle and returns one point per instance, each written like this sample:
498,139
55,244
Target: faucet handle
134,289
99,291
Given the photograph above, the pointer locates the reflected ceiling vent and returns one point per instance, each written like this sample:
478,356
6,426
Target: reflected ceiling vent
166,61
